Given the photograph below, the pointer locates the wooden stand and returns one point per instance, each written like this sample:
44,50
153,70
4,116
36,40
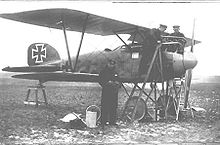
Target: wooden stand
35,88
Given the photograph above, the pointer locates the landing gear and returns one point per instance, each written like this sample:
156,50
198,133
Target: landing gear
157,103
163,98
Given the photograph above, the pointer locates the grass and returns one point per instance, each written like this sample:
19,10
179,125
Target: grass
27,124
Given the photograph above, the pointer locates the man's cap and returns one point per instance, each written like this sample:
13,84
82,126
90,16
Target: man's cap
176,26
164,26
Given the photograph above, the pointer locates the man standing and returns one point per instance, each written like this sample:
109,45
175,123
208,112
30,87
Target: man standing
162,29
109,98
182,40
177,32
159,32
151,39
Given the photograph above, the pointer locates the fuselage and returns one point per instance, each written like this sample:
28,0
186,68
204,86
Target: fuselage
127,63
127,60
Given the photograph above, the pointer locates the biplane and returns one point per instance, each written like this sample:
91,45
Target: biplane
168,71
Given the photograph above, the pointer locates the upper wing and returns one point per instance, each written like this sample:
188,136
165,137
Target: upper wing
73,21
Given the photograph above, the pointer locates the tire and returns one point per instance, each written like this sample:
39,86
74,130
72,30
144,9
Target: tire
130,104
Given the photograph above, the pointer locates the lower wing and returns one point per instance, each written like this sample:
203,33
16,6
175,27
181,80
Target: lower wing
71,77
59,76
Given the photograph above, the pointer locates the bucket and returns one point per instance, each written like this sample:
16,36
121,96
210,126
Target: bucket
92,116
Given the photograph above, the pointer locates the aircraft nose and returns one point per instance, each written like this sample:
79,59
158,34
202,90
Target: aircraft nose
190,60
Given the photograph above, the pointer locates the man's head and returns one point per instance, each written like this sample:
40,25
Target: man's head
111,64
176,28
162,27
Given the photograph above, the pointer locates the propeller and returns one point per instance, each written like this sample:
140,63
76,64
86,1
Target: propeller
188,75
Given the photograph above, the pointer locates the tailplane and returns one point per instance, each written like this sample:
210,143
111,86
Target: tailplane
42,53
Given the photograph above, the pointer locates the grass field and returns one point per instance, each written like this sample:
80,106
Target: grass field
20,124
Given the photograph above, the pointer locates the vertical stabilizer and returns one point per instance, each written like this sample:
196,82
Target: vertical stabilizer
42,53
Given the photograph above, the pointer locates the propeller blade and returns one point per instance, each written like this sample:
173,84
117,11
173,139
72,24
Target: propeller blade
188,75
192,44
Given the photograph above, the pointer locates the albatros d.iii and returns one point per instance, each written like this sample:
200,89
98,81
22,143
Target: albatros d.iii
168,68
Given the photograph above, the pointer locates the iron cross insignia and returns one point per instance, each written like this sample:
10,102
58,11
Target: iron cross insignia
39,52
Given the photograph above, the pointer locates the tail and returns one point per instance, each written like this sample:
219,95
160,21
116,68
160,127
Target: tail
42,53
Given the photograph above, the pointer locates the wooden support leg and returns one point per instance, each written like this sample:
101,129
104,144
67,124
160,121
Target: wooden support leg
167,107
45,98
36,97
192,114
155,98
28,94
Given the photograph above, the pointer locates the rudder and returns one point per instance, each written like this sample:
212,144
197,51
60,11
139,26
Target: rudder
41,53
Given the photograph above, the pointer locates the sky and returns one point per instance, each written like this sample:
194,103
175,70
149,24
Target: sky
15,37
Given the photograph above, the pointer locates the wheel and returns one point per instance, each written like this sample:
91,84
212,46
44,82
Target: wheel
129,108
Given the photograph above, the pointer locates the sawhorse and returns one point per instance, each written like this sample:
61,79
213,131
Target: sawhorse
35,88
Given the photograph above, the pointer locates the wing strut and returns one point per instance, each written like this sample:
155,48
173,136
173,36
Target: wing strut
122,40
80,44
67,46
